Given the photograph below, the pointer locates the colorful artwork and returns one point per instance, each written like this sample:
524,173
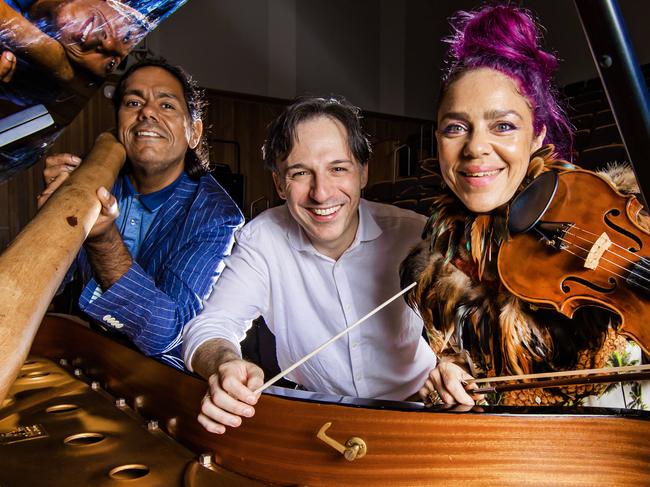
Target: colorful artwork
54,54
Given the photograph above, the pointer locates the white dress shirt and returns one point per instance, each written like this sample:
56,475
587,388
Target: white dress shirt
306,298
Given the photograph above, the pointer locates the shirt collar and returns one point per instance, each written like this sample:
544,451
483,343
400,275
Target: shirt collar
368,230
153,201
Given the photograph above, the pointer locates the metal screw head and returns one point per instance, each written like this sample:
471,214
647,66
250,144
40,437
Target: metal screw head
138,402
120,402
95,386
152,425
77,372
205,459
172,426
605,61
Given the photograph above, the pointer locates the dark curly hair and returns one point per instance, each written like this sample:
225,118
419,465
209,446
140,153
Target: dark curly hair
197,160
282,131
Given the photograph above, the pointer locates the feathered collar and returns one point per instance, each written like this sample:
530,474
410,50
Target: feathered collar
451,224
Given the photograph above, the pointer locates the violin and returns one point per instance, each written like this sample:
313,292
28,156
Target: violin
575,241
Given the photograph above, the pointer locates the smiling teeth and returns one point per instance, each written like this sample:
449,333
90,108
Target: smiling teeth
146,134
86,32
325,211
482,174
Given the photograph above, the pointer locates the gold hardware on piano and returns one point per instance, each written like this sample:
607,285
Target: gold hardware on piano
354,448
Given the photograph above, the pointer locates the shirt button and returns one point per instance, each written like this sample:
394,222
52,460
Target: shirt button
357,377
355,345
132,221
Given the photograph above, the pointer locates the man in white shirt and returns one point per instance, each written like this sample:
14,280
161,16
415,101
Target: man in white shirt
311,268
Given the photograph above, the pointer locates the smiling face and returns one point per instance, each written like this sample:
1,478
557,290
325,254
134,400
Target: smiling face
154,125
485,138
96,34
322,183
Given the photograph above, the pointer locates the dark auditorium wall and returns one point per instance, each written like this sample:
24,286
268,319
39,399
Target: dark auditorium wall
384,55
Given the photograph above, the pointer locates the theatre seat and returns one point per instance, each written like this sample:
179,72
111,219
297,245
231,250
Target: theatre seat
410,204
428,166
424,206
430,185
380,191
599,157
605,135
603,117
406,188
581,139
589,106
585,121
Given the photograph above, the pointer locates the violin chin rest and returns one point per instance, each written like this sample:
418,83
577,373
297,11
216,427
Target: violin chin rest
529,206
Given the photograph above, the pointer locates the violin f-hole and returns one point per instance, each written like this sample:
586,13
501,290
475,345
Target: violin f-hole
566,285
610,223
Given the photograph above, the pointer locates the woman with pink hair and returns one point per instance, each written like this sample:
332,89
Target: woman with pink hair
500,125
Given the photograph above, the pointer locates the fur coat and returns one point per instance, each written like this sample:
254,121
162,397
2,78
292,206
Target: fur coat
472,317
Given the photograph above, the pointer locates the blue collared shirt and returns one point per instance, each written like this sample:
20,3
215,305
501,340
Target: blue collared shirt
178,261
138,211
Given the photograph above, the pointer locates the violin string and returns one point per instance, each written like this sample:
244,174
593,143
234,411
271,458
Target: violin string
602,267
614,243
584,259
631,272
603,257
607,260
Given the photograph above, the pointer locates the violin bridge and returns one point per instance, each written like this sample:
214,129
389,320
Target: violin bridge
597,250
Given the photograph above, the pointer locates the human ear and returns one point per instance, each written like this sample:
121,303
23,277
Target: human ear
195,134
364,175
279,186
538,140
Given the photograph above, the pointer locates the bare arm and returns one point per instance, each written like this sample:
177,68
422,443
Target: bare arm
211,355
108,256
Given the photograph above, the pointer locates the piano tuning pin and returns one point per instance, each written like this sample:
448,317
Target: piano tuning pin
172,427
205,459
138,402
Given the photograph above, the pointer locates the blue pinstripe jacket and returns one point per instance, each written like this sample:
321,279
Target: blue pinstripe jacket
177,264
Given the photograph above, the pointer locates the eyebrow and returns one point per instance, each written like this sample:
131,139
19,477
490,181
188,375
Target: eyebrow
489,115
492,114
300,165
159,94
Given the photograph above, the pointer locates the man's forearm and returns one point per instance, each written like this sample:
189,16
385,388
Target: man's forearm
108,256
212,354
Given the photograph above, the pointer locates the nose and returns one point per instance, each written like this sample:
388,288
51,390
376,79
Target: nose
321,188
110,44
477,144
148,111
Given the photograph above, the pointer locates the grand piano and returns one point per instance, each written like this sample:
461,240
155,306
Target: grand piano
84,409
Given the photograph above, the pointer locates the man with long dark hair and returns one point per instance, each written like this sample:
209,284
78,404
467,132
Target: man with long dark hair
147,268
